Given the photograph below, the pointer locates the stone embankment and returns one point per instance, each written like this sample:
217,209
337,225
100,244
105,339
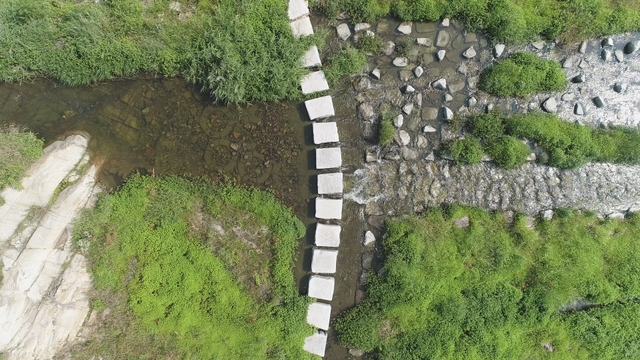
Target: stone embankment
43,297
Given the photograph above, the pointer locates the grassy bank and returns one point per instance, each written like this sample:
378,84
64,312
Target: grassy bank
192,270
18,150
509,21
237,50
502,291
562,144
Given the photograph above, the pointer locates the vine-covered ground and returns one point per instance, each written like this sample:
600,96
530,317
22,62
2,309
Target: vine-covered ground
566,289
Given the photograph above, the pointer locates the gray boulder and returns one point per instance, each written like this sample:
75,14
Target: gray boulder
440,84
447,114
607,42
366,111
578,79
405,27
409,89
401,61
469,53
578,109
605,54
418,71
441,54
343,31
619,88
550,105
498,50
631,47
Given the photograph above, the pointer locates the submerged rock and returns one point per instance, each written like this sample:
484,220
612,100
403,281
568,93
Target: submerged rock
443,38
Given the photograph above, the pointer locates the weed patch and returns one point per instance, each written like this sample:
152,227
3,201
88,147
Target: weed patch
387,131
18,150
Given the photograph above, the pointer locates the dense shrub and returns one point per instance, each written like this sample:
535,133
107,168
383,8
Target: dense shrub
18,150
522,74
487,127
501,291
508,152
181,284
467,150
509,21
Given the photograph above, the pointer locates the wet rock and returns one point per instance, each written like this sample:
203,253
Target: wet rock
430,157
498,50
424,42
361,84
418,99
440,84
409,89
448,97
583,47
421,142
441,54
583,64
607,42
605,54
578,109
445,22
366,111
578,79
403,138
407,108
470,53
443,38
429,129
598,102
405,27
631,47
470,37
538,45
447,114
472,102
418,71
409,154
370,155
568,97
619,55
392,155
389,47
550,105
619,88
455,87
398,121
463,68
369,238
461,223
343,31
361,27
401,61
429,113
376,73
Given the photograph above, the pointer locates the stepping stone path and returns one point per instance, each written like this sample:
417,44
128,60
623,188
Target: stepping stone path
328,210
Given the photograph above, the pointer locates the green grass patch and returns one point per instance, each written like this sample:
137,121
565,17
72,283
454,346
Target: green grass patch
498,290
193,270
237,50
508,152
509,21
386,130
347,61
464,151
18,150
522,74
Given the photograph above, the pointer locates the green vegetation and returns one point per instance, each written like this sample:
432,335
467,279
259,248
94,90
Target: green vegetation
508,152
386,131
502,291
345,62
370,44
18,150
509,21
465,151
522,74
566,145
237,50
192,270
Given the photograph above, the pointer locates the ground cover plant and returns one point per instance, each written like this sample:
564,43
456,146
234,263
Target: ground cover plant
18,150
500,290
509,21
522,74
237,50
565,145
386,130
192,270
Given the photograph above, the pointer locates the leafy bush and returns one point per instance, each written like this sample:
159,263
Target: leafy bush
487,127
345,62
467,150
18,150
163,262
501,291
522,74
386,132
508,152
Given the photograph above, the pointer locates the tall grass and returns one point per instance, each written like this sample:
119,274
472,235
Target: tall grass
18,150
501,291
237,50
160,261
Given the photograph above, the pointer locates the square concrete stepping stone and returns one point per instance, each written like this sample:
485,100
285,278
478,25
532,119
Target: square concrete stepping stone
298,8
319,108
314,82
319,315
327,235
328,158
330,183
324,261
325,133
301,27
316,343
311,58
328,209
321,287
